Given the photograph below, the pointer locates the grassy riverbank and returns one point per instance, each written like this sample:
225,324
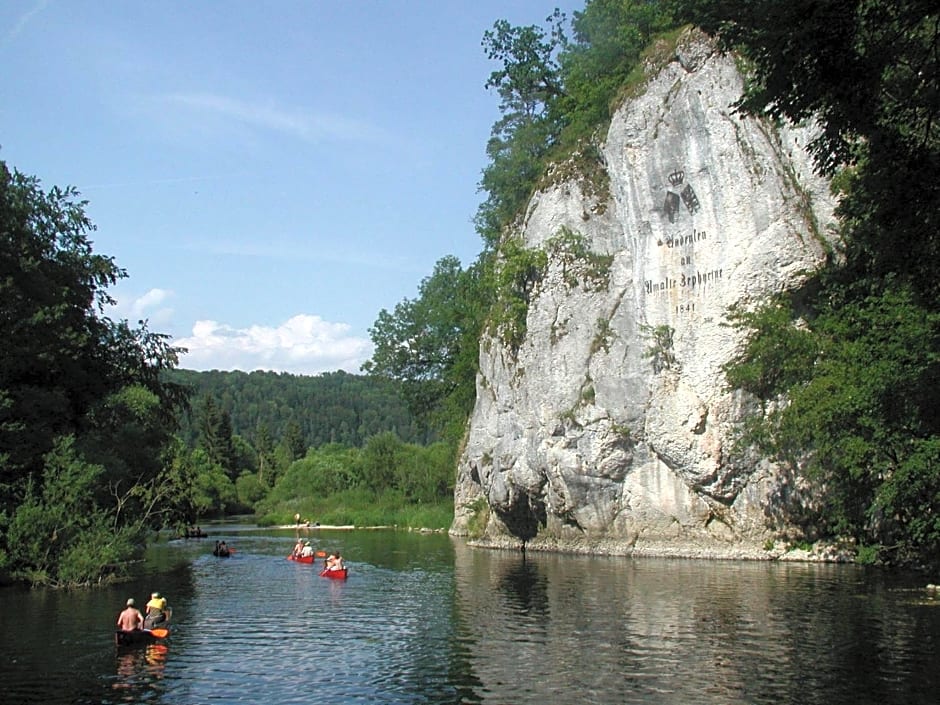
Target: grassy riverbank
360,508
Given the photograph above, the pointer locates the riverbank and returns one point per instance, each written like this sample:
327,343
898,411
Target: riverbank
314,527
344,527
821,552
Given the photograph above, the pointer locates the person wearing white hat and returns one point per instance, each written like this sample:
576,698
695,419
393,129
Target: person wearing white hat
298,548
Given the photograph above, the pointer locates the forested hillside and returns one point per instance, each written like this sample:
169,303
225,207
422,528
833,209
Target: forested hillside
334,407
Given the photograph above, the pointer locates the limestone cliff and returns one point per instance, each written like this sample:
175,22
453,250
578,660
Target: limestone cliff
608,429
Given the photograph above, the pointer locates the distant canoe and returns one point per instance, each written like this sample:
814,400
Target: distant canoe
222,549
340,574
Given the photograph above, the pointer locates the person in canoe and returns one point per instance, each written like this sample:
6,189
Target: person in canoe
335,561
307,550
130,619
157,611
298,548
221,549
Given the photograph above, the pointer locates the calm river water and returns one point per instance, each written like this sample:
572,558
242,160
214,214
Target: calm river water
424,619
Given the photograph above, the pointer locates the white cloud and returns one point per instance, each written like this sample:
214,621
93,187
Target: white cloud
304,344
150,307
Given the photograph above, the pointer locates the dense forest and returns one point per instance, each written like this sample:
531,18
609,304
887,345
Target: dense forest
103,440
333,407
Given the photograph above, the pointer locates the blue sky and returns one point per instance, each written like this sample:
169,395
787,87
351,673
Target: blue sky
270,174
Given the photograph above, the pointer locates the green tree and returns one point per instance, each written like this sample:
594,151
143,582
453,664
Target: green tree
85,414
293,441
215,437
264,447
249,489
333,406
428,345
555,92
213,493
608,41
57,517
529,85
324,471
379,463
426,474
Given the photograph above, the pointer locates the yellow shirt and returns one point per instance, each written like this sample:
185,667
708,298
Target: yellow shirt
157,603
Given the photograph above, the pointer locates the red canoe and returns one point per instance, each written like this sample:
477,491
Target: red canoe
301,559
340,574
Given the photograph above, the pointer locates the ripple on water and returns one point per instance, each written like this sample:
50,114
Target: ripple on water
483,627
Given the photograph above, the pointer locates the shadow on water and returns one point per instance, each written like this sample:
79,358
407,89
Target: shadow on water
525,588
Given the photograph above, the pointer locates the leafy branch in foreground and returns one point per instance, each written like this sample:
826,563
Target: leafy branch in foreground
83,406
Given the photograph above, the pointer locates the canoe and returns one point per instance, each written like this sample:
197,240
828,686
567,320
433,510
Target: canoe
140,636
335,574
301,559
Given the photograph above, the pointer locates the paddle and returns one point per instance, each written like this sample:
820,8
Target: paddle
321,554
159,632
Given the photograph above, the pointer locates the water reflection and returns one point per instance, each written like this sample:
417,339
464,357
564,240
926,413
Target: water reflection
660,631
525,588
139,671
425,619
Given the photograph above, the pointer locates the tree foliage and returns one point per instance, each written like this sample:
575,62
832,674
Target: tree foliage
334,407
84,414
529,85
429,344
557,86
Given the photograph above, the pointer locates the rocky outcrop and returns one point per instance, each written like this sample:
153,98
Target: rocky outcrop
609,427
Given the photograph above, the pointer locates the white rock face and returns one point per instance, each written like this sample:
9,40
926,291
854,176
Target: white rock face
584,440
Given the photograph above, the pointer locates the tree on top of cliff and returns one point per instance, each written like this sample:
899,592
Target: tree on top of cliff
555,91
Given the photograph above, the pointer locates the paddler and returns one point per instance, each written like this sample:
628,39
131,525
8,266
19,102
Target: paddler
130,619
156,611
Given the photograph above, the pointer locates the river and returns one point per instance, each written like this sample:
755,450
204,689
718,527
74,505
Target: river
423,618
